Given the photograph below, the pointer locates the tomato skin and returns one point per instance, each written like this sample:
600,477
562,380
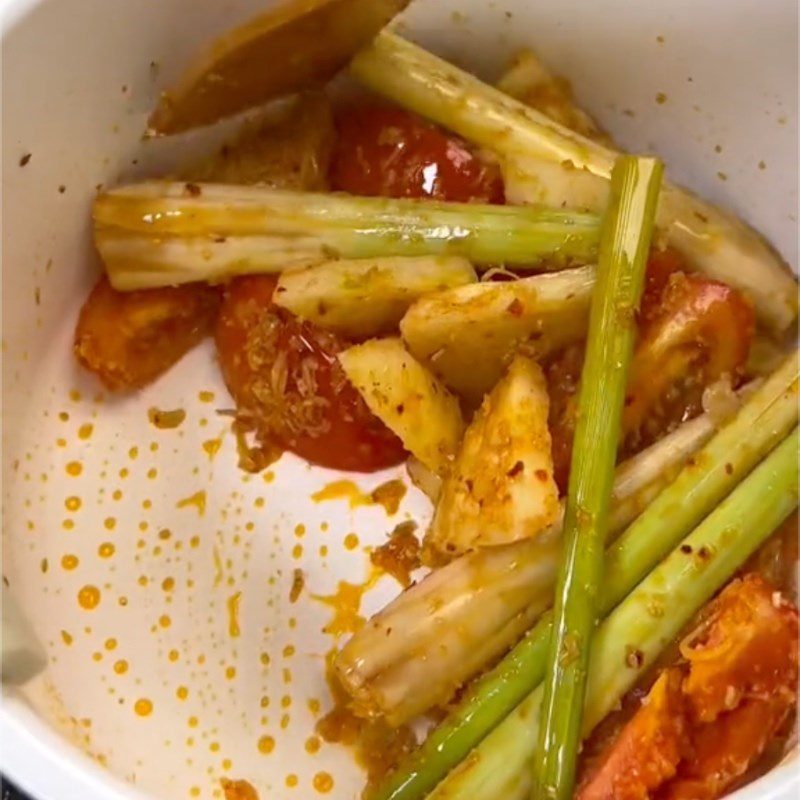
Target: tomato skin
389,152
289,387
701,331
692,332
710,716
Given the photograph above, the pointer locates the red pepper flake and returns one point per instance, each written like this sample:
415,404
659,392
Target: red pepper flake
515,307
193,190
516,469
23,162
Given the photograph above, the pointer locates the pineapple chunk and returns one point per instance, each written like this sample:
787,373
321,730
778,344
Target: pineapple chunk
470,334
408,399
367,297
501,488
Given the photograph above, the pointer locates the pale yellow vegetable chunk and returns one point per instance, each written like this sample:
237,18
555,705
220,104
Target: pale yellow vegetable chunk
408,399
501,488
367,297
470,334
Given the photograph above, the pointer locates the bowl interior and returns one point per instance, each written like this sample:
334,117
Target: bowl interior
157,574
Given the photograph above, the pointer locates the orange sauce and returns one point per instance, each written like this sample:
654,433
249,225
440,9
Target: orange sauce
399,556
166,420
198,500
238,790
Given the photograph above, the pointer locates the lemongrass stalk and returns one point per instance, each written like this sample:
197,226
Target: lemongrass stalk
713,240
638,630
765,419
174,232
472,610
624,246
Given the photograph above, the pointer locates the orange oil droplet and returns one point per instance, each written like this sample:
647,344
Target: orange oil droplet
89,597
313,744
297,551
85,431
266,744
322,782
181,693
121,666
164,621
69,561
234,631
292,780
288,651
72,503
111,644
67,638
211,447
173,655
109,523
230,673
74,468
166,420
351,541
143,707
168,584
106,550
206,397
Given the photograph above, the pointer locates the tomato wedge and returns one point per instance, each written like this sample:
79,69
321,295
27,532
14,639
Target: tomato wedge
389,152
708,719
289,387
128,339
692,332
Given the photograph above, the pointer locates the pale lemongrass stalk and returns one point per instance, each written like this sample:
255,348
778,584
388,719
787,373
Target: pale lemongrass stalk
552,164
487,596
649,618
708,476
176,232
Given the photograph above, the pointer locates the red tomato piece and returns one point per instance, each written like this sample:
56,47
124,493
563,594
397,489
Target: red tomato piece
389,152
647,751
724,750
692,332
128,339
289,387
707,720
701,331
747,649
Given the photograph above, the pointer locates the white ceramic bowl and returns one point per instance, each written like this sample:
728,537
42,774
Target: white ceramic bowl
78,79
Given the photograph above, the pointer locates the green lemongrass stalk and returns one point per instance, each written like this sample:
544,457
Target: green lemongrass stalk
765,419
441,632
714,241
629,641
624,247
174,232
